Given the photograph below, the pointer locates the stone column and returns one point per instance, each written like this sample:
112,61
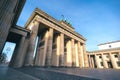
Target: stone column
40,59
113,61
76,55
85,56
61,59
43,50
34,29
104,62
26,47
80,54
18,59
38,53
118,55
73,52
69,54
58,50
49,47
90,62
97,62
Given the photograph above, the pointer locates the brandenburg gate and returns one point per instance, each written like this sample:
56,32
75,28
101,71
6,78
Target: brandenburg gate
51,43
58,43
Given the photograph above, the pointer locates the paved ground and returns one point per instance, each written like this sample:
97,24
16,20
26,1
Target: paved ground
36,73
7,73
102,74
51,74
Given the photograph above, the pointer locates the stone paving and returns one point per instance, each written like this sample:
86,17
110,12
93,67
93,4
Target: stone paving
7,73
51,74
102,74
37,73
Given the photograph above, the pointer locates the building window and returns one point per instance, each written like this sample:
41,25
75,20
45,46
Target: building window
118,63
116,56
101,63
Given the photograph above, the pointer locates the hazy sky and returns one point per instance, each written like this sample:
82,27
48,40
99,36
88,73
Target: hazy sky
97,20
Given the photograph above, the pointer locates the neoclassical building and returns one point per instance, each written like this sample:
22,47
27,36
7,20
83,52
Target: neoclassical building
57,45
43,42
108,56
47,42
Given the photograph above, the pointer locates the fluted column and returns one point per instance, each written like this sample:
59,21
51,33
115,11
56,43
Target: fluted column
56,51
90,62
113,61
80,54
85,56
43,53
76,55
61,60
73,52
34,28
118,55
104,62
97,62
69,54
42,49
49,47
18,59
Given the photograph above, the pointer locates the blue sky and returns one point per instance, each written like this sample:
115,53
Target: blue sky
97,20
